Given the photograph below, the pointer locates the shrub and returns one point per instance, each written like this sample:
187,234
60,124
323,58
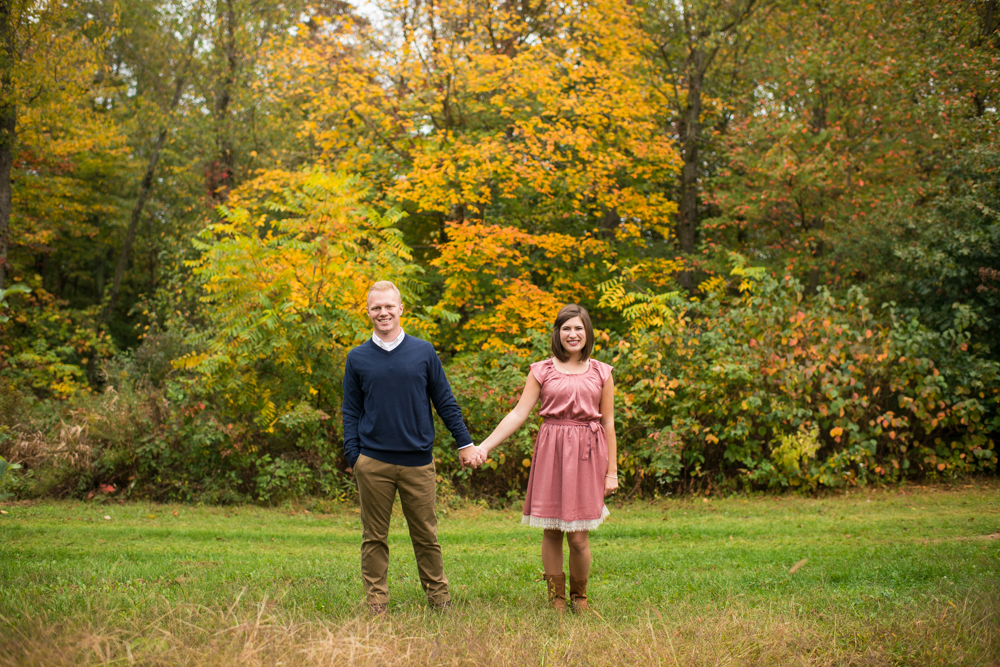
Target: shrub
763,388
167,441
286,275
5,467
487,385
753,386
744,381
48,349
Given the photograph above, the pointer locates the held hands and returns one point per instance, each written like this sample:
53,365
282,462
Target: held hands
610,484
473,457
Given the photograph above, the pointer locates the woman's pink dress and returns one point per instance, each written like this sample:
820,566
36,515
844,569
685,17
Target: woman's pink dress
566,483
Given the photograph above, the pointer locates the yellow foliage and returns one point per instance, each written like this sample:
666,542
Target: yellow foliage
526,118
715,284
643,308
458,115
796,449
286,273
61,133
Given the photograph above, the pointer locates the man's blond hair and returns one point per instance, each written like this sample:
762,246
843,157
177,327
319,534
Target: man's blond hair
384,286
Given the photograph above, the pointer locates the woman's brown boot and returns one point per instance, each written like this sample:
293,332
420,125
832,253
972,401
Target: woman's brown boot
556,584
578,594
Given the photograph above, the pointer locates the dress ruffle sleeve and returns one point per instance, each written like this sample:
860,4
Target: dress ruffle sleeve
603,370
541,370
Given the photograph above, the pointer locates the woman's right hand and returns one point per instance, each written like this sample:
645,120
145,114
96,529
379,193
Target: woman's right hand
514,419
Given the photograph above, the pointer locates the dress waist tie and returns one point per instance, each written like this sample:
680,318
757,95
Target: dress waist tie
595,427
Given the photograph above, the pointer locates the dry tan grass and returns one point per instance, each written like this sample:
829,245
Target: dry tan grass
260,634
73,446
69,445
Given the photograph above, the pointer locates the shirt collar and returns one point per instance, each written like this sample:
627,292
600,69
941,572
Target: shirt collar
391,345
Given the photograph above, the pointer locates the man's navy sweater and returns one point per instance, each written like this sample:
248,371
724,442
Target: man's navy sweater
387,403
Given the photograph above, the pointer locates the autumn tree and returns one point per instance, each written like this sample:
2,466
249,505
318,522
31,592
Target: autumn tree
520,119
244,123
285,277
695,50
187,80
42,64
68,154
855,113
65,144
155,47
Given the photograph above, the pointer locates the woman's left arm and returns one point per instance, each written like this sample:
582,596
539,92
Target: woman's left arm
608,422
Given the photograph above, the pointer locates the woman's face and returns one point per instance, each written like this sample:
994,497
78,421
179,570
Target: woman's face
573,336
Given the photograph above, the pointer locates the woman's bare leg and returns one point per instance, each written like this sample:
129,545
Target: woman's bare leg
552,551
579,554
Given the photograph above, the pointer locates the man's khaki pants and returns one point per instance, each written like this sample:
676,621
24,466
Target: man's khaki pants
377,486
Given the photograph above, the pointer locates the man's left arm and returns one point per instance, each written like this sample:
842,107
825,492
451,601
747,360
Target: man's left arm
447,408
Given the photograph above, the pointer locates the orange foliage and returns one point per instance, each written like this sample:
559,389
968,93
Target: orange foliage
520,119
488,271
468,113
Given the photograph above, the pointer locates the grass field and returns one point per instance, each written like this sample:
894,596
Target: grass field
900,576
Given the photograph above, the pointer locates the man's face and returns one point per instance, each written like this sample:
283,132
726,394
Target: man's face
384,307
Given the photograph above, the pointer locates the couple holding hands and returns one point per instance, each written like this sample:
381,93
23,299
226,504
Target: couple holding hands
390,383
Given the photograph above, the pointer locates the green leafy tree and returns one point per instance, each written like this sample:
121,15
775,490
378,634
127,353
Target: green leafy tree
695,49
285,276
857,111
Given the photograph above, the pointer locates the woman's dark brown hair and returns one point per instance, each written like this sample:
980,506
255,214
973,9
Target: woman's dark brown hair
567,313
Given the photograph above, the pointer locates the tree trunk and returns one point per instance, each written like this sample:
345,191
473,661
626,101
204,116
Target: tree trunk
222,173
989,17
8,129
690,134
144,189
152,257
610,221
99,275
123,257
703,28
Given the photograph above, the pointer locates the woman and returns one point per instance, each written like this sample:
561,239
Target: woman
574,467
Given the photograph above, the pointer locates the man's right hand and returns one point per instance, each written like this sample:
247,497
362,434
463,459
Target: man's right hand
472,457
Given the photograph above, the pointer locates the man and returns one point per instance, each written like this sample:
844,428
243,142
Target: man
390,383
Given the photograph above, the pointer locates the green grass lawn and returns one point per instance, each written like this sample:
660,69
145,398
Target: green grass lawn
901,576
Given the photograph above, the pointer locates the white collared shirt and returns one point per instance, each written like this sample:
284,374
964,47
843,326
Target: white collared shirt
392,345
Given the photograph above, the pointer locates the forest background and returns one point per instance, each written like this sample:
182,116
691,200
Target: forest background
782,215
